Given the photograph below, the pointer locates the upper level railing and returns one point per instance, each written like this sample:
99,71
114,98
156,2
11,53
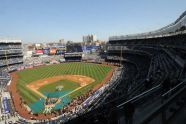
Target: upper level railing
161,113
144,36
9,41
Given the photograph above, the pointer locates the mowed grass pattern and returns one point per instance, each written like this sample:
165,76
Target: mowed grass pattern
66,84
95,71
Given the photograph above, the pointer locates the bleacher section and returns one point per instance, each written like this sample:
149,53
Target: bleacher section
73,52
149,87
152,87
175,28
10,59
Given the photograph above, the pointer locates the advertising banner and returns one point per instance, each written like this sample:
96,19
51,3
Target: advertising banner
39,51
46,51
5,105
60,52
52,51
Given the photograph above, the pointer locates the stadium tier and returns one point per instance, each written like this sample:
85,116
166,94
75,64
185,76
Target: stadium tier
141,81
152,84
10,55
10,59
174,28
73,52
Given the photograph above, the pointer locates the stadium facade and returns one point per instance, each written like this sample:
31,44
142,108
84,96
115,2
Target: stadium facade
10,56
148,87
10,59
73,52
152,86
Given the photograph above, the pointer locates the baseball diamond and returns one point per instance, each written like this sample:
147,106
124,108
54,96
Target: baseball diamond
79,62
39,87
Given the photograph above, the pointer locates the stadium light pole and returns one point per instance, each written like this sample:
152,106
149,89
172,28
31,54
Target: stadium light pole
120,56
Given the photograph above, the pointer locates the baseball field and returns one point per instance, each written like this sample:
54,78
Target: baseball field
63,81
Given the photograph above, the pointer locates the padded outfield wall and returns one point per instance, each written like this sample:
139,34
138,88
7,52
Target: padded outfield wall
75,78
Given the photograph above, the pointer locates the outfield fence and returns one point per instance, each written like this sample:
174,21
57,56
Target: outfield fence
88,104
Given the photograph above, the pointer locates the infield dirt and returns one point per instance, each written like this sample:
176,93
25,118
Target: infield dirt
82,80
23,112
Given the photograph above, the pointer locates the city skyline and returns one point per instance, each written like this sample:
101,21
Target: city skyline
46,21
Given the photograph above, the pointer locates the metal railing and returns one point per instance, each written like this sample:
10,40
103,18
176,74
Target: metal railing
158,115
172,90
144,36
140,96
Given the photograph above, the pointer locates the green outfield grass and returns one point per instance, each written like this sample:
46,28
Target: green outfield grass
67,85
95,71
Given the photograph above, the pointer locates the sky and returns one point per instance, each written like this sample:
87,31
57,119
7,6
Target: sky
50,20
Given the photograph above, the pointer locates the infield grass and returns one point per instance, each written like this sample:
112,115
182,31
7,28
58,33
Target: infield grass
66,84
95,71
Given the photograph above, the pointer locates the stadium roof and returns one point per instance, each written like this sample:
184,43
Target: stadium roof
9,41
169,30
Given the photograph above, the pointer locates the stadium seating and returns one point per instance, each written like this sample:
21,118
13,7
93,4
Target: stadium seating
152,67
73,52
149,83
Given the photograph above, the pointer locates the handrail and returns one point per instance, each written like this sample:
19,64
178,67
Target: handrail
159,109
142,36
140,95
173,89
